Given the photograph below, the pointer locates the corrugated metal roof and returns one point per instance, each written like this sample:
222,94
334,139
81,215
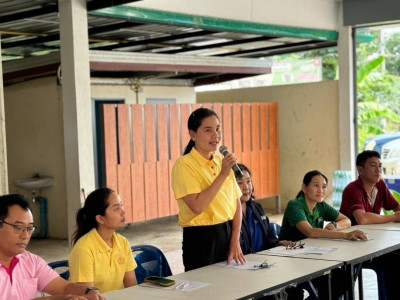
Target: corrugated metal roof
31,28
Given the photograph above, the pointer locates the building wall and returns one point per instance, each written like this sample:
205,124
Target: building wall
308,128
35,144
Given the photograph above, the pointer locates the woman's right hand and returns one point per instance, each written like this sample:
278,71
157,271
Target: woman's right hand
355,235
227,162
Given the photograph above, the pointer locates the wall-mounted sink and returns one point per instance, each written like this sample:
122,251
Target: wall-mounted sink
34,183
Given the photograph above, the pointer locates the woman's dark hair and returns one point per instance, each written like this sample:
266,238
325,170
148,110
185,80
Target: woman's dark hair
194,122
96,204
244,168
307,179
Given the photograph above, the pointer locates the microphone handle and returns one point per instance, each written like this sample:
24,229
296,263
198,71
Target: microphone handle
237,171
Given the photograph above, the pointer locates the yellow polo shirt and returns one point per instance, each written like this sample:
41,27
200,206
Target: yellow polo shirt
193,173
92,260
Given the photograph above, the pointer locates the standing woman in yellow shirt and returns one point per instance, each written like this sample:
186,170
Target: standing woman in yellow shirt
208,196
100,256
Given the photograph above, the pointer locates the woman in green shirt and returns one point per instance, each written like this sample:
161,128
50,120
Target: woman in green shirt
304,216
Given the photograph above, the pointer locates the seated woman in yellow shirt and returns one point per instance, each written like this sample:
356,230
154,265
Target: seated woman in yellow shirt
101,257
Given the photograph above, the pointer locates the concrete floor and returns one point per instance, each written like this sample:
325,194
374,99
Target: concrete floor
167,236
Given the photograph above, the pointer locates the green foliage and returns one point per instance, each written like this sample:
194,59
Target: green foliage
366,68
377,93
392,49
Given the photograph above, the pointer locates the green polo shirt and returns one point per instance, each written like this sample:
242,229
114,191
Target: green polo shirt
297,210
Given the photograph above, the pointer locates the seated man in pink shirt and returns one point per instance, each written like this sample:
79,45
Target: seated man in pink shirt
22,273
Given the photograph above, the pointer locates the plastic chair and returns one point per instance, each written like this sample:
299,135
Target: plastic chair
380,277
150,261
61,264
276,228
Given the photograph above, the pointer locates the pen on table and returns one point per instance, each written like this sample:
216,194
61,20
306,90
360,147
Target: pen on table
181,285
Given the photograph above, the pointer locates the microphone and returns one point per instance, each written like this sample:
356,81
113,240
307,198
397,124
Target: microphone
238,173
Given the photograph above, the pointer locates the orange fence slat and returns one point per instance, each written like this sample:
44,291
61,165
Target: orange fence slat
246,128
163,188
185,113
264,176
124,189
255,169
226,121
123,134
217,107
196,106
110,146
237,130
174,128
246,135
150,133
207,105
273,125
255,127
137,133
162,130
138,198
150,190
173,204
264,126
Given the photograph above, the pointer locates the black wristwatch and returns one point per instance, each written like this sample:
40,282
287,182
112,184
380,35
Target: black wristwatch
334,224
88,289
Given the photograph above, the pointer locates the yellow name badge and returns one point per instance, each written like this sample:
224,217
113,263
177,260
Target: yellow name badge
121,260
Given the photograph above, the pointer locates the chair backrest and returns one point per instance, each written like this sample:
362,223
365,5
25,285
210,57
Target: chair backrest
63,265
276,227
150,261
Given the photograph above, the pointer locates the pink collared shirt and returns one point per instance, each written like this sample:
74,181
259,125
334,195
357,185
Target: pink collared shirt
29,275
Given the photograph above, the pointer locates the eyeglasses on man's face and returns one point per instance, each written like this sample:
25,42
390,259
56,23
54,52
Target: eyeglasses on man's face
18,229
296,245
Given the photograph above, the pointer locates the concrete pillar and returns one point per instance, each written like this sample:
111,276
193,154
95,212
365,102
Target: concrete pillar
3,144
77,112
347,113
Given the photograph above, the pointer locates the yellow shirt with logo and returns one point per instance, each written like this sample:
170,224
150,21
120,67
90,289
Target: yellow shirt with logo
92,260
191,174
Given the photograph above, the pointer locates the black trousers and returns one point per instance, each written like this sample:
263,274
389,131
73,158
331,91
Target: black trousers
205,245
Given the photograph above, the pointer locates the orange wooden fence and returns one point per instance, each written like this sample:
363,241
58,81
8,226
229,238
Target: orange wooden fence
142,142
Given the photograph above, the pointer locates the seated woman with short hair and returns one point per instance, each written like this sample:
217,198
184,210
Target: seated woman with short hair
256,231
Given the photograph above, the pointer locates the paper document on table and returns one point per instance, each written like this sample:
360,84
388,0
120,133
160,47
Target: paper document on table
180,285
282,250
248,265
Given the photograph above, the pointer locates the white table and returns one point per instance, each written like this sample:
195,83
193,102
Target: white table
392,226
229,283
352,253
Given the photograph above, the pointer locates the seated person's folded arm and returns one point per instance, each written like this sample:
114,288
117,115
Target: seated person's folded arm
342,222
363,217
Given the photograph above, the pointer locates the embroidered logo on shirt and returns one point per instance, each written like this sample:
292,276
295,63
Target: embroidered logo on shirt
121,260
